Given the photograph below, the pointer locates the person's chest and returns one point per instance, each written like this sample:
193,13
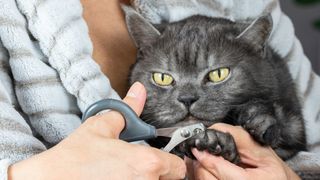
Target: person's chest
113,49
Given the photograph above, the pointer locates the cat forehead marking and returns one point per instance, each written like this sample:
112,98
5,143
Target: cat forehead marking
211,60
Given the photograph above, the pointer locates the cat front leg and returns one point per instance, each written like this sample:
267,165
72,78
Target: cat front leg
275,126
261,123
213,141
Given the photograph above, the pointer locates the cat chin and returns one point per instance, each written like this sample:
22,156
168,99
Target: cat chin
193,120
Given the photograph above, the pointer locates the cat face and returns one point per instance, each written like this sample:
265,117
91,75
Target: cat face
198,69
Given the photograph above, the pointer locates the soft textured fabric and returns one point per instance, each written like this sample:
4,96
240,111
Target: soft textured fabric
47,75
282,40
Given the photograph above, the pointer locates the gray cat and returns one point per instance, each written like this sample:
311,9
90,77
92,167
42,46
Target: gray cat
213,70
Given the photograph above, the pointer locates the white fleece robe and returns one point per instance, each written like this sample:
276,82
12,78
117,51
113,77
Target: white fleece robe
48,77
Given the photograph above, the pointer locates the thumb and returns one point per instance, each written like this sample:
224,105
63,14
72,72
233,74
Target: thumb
217,166
111,124
136,97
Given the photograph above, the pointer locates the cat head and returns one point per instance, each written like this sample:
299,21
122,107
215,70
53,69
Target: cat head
200,68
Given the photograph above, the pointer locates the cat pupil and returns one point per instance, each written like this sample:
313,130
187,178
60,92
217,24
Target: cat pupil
219,73
162,77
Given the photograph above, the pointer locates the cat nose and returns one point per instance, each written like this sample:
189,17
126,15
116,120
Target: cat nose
188,100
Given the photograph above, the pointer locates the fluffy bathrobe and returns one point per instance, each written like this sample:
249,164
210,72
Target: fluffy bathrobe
48,76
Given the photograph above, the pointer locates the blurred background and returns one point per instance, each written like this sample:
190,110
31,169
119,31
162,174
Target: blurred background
305,15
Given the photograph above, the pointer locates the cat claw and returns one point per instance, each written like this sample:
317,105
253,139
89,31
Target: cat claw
218,149
215,142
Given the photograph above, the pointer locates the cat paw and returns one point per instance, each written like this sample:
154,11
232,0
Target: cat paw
264,129
215,142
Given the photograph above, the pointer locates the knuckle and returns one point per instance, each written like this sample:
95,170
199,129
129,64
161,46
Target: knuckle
91,121
154,163
100,125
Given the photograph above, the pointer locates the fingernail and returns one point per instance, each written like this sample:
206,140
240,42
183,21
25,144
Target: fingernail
135,90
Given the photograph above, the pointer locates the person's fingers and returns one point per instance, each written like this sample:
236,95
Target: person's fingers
189,164
200,173
172,166
242,138
136,97
111,123
251,153
153,162
219,167
195,171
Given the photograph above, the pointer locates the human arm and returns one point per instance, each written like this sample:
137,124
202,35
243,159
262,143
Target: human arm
257,162
93,152
16,139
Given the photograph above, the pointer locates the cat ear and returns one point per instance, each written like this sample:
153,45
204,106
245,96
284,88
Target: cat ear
141,31
258,32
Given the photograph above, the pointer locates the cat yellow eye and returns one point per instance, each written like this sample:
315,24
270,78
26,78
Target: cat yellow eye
219,75
162,79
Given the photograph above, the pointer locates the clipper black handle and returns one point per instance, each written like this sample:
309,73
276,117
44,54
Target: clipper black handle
135,129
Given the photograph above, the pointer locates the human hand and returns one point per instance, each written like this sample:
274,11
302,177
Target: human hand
257,162
94,152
